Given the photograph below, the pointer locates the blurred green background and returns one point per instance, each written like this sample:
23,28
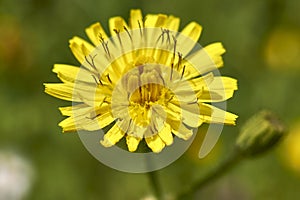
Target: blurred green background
262,38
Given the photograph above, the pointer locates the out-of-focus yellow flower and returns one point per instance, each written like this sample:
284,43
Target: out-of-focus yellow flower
290,151
283,49
193,152
150,91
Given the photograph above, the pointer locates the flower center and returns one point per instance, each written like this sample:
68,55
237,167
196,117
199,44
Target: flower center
146,88
147,94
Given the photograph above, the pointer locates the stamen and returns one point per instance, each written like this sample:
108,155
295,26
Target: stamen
104,101
193,102
97,80
97,115
93,117
160,75
108,78
118,35
167,31
102,41
170,99
141,32
182,71
172,66
174,49
161,36
128,33
104,45
79,96
140,92
179,60
100,37
92,63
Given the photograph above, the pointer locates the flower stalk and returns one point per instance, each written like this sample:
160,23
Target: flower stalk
155,184
216,173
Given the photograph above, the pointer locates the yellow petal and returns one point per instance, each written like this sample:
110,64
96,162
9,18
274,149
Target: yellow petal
136,19
180,130
212,114
166,135
69,73
132,142
201,82
79,108
112,136
206,60
80,48
88,94
117,24
66,73
220,89
61,91
186,111
193,31
152,21
155,143
215,52
92,124
66,111
89,118
172,23
188,37
68,125
95,32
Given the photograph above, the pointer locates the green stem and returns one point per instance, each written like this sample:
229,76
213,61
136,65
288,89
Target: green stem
221,169
155,184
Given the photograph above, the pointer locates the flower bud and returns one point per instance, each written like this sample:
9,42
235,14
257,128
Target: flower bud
260,133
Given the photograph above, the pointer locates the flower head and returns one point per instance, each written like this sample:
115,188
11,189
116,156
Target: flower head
147,82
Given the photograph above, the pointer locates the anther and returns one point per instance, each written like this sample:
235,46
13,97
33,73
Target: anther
118,35
101,39
116,31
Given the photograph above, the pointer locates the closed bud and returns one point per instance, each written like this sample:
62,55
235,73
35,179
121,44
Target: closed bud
260,133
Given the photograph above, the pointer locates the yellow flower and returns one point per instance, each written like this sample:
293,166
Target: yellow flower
290,152
147,82
282,49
